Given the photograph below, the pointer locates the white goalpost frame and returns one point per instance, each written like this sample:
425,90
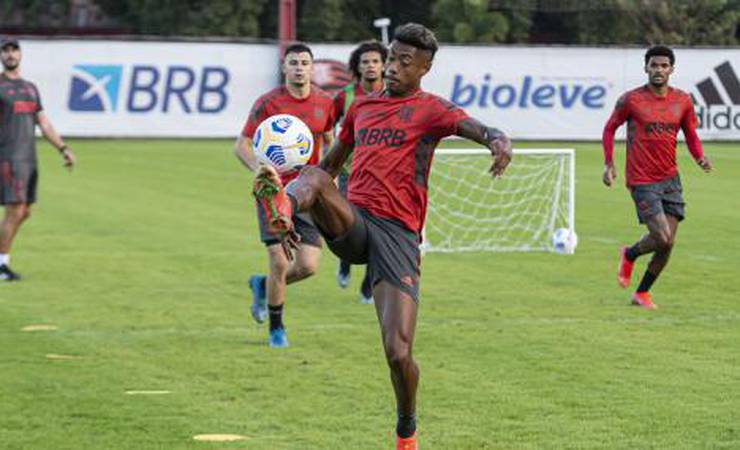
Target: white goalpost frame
569,153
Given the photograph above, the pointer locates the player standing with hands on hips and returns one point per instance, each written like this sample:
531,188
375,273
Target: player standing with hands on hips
654,113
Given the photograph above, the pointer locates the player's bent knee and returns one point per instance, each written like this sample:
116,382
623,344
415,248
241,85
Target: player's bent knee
317,177
398,354
663,241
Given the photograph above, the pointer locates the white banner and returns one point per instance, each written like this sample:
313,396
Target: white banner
151,89
159,89
568,93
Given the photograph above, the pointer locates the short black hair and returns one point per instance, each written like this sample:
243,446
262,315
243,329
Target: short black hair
660,50
364,47
298,47
417,35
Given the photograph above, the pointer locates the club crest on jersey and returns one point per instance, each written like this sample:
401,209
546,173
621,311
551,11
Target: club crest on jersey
281,125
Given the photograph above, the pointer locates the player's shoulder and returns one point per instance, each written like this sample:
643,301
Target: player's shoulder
680,94
270,96
635,93
320,94
436,100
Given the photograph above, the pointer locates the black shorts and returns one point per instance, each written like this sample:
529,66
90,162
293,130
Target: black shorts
303,226
663,197
18,182
390,251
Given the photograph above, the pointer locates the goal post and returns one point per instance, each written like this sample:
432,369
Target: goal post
469,210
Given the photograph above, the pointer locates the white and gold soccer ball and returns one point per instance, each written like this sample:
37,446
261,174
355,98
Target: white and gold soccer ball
565,241
284,142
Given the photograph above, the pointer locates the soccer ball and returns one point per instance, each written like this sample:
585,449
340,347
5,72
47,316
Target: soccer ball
564,241
284,142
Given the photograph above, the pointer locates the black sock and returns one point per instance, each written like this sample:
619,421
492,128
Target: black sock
344,267
406,425
647,281
276,316
366,290
632,253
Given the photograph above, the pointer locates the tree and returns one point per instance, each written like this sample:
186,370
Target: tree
468,21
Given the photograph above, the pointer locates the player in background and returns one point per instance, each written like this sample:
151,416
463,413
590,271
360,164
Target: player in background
316,109
393,136
654,113
366,64
20,111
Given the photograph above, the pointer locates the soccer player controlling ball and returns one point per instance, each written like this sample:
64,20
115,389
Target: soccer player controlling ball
393,135
654,113
316,109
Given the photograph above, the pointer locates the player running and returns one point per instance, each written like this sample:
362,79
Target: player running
654,113
20,111
316,109
366,64
393,136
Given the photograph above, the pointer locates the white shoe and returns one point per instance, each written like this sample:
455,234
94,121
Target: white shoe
366,300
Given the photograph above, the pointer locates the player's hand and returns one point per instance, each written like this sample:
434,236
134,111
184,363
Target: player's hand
705,164
502,153
289,242
610,174
69,159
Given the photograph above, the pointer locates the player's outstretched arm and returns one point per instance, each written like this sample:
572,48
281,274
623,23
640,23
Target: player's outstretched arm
493,138
51,135
335,158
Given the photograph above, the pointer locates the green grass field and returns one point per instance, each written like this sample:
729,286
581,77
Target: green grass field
140,258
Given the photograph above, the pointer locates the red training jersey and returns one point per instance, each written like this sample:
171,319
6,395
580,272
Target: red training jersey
652,126
394,140
316,111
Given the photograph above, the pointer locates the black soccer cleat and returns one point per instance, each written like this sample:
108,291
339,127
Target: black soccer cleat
8,275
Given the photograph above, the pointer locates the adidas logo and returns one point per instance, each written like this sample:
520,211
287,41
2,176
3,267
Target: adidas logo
715,111
94,88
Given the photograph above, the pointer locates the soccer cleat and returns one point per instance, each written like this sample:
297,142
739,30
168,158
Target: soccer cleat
343,275
278,338
270,193
366,300
643,299
408,443
8,275
625,268
259,298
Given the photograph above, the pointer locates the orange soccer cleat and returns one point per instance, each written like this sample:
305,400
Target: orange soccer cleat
643,299
408,443
625,268
270,193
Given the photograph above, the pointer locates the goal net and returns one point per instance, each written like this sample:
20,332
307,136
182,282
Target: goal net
470,211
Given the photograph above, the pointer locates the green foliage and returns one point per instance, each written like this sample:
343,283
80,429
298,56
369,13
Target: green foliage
468,21
190,17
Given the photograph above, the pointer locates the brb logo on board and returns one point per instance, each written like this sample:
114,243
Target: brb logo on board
145,88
